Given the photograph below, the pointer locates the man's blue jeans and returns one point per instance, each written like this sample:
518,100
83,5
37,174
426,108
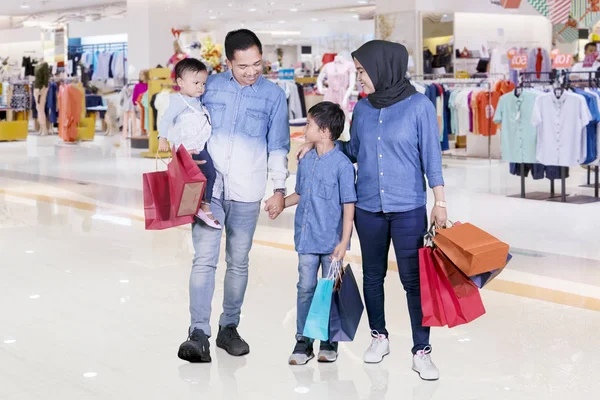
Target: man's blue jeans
239,222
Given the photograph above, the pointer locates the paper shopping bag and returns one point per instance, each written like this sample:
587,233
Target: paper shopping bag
186,183
471,249
317,322
483,279
460,299
431,286
346,308
157,203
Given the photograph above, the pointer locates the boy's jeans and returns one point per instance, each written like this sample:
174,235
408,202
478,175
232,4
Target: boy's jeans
239,221
308,269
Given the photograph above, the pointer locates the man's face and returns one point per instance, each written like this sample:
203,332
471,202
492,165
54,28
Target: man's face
247,66
590,50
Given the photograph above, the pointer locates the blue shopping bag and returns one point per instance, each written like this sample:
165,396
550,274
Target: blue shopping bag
346,308
483,279
317,322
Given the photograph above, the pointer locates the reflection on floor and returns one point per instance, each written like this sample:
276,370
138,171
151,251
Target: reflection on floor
94,307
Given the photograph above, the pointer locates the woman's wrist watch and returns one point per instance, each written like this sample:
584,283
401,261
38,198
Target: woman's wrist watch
442,204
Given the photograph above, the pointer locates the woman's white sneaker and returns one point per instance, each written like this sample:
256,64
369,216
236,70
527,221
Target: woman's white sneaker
423,365
379,348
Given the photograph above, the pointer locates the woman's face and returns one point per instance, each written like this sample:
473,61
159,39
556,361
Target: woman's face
363,78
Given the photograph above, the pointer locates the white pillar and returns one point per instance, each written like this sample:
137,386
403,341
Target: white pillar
149,30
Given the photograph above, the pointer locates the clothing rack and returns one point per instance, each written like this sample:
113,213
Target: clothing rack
98,47
566,83
470,82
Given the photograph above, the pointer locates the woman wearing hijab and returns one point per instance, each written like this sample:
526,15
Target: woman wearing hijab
395,142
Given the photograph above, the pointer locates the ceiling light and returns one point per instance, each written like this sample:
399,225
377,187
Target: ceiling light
90,375
363,2
282,22
213,17
210,11
10,341
356,16
293,9
230,5
314,19
280,33
252,10
25,6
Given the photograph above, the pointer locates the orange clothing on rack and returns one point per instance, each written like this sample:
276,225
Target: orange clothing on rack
474,108
504,87
486,111
71,105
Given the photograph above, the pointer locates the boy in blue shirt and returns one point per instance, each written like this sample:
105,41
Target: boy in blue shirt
325,195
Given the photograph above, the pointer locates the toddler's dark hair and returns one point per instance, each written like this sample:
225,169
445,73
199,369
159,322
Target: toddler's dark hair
189,65
329,116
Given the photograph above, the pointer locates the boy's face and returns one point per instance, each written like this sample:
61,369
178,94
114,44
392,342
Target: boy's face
313,133
192,84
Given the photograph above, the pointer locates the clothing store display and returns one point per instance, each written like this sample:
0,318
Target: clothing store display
390,84
560,123
591,128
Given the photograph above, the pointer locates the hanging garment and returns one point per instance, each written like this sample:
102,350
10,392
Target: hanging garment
20,98
518,135
71,106
560,125
538,61
138,90
591,133
28,65
126,99
486,106
427,61
52,103
162,105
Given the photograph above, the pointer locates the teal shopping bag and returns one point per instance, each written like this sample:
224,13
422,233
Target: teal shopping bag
317,322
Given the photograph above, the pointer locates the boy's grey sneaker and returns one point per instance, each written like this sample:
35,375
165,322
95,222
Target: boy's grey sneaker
230,340
303,352
196,349
328,352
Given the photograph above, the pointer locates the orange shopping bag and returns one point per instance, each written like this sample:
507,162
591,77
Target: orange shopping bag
471,249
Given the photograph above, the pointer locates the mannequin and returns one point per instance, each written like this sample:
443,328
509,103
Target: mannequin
341,77
40,94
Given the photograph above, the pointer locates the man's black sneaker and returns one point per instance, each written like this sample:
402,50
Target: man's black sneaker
303,352
196,349
230,340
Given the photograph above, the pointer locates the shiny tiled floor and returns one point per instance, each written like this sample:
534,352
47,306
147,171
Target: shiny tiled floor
94,307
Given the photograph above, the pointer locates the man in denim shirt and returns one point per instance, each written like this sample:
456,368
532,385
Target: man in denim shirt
250,140
325,194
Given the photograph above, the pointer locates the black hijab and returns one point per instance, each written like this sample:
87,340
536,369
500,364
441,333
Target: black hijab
386,64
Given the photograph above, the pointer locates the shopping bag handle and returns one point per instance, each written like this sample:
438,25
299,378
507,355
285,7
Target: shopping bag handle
157,158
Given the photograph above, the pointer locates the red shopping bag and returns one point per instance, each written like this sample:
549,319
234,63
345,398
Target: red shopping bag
157,203
186,183
431,287
460,297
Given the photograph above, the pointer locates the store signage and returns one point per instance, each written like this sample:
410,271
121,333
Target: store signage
518,62
286,74
562,61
